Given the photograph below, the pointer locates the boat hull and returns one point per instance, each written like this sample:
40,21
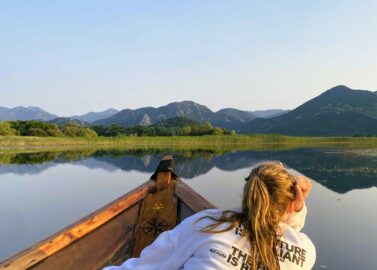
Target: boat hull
114,233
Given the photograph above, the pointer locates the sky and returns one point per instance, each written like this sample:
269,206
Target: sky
71,57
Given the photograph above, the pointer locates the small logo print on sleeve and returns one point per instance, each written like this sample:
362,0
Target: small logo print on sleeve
217,252
236,259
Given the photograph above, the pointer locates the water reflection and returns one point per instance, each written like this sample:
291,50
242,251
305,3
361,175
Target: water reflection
338,170
42,192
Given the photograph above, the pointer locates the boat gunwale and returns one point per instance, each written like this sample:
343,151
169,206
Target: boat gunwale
70,234
41,248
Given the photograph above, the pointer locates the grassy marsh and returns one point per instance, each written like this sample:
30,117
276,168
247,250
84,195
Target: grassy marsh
210,142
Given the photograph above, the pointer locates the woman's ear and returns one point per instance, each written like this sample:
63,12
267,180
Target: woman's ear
291,207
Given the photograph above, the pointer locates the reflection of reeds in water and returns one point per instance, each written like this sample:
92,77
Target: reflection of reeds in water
36,156
338,169
40,155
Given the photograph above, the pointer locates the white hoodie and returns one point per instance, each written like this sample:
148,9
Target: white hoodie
186,247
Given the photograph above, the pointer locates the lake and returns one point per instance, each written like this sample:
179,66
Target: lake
43,192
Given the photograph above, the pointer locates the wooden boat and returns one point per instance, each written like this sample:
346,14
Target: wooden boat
119,230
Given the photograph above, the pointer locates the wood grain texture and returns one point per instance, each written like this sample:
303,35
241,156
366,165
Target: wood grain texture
183,211
48,247
99,247
192,199
158,213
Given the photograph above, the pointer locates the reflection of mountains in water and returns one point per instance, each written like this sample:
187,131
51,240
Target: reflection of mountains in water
339,171
186,167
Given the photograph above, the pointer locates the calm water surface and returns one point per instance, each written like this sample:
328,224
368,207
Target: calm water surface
41,193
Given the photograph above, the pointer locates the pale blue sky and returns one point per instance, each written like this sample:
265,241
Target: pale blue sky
71,57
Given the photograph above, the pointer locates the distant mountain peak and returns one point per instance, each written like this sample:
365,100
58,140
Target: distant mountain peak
339,111
343,93
33,108
91,117
36,109
25,113
185,103
110,110
340,87
338,90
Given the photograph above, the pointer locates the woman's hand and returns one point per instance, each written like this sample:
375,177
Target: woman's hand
302,187
304,183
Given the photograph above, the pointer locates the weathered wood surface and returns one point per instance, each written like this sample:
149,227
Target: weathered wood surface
191,199
66,237
158,213
183,211
108,245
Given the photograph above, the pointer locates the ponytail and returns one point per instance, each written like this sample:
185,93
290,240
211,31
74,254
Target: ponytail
262,225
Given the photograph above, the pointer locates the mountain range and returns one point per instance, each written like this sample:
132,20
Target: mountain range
229,118
339,111
36,113
25,113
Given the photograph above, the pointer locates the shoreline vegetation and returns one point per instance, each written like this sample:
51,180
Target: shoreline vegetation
173,134
237,142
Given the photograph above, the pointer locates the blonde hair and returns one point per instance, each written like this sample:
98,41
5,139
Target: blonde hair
267,193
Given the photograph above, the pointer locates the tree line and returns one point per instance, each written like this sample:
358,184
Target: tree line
43,129
70,129
156,130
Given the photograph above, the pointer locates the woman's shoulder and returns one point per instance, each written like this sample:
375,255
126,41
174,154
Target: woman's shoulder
292,235
296,247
